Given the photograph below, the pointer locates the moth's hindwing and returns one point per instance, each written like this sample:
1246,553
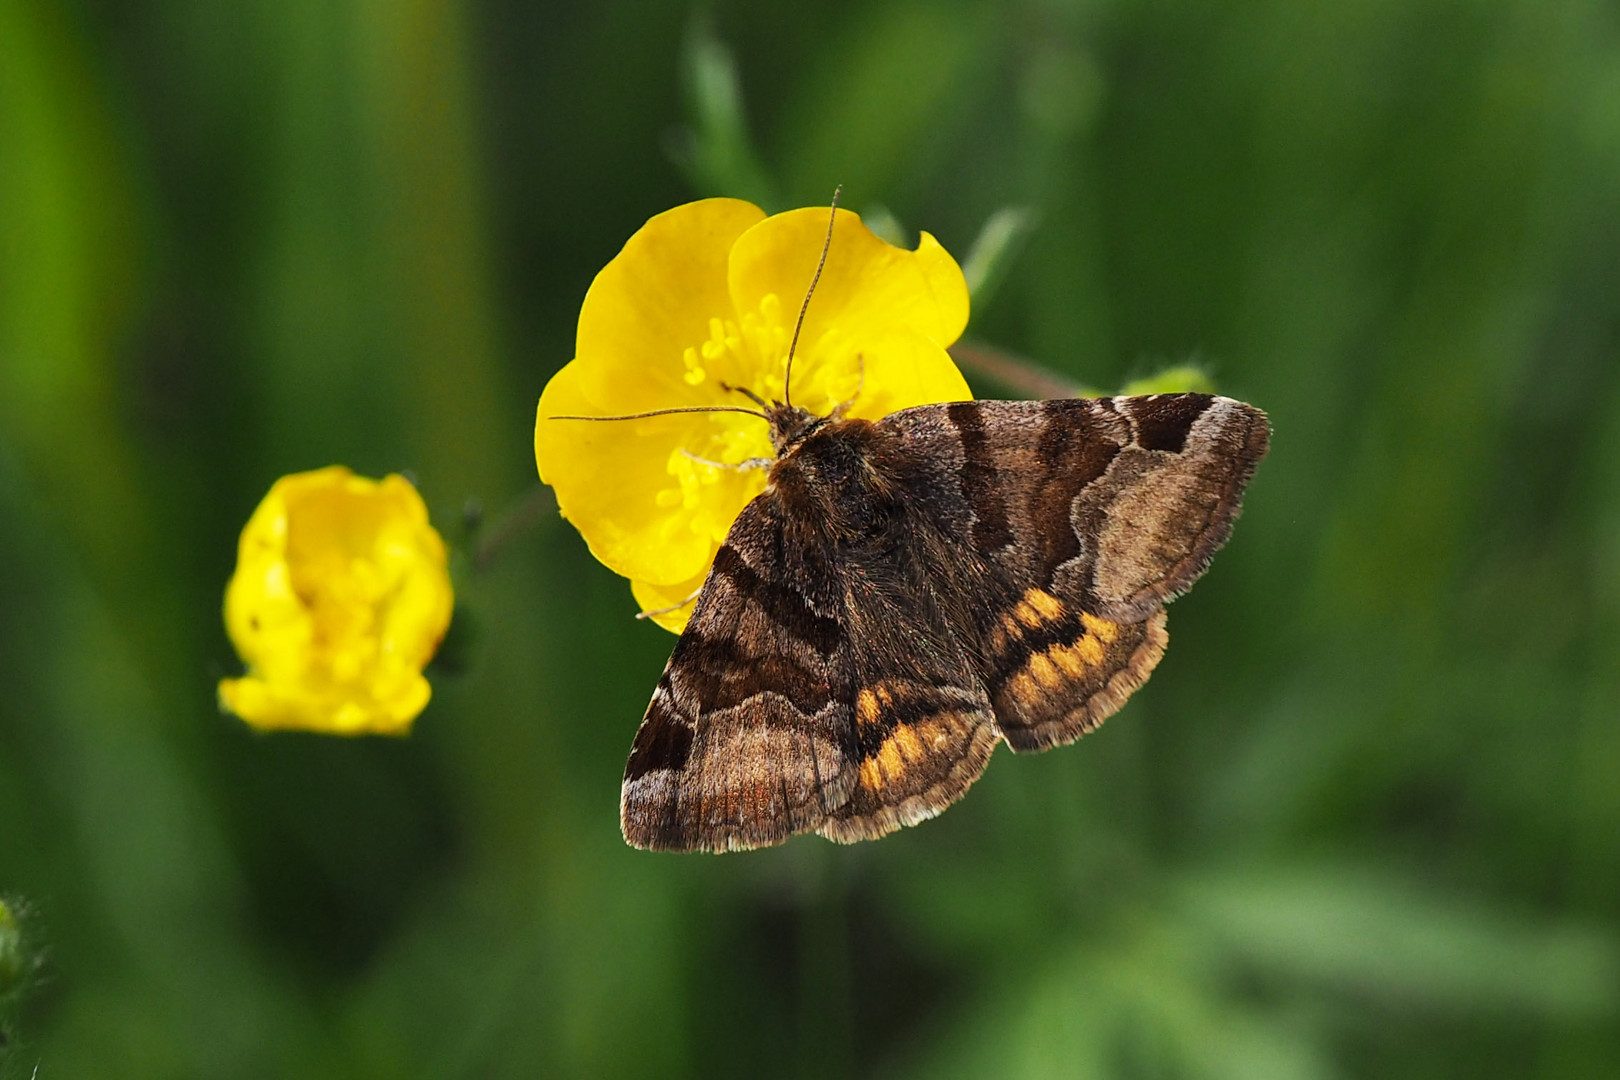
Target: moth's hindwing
924,728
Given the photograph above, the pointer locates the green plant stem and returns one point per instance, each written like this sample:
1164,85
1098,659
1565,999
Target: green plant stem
1015,372
521,515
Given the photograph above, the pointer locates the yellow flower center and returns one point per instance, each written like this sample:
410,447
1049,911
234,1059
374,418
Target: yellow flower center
343,604
751,353
347,568
748,353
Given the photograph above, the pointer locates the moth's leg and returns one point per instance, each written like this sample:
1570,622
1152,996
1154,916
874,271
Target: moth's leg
672,607
843,406
740,466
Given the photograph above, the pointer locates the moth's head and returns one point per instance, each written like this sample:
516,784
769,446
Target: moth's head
791,425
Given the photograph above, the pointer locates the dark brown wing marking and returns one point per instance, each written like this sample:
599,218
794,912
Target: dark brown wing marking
748,737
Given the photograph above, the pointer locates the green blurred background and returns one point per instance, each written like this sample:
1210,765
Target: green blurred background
1363,821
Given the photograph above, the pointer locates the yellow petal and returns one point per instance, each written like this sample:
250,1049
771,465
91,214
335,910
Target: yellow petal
270,706
654,300
412,557
877,374
613,480
867,285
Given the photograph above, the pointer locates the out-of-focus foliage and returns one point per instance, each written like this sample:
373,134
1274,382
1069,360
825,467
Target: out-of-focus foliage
1363,820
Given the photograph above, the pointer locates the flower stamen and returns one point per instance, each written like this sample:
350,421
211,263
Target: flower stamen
695,372
739,466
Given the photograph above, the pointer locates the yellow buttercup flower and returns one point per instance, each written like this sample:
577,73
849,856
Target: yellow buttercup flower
699,306
340,597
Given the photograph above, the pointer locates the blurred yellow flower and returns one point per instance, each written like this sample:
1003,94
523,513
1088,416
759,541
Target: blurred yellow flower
340,597
704,297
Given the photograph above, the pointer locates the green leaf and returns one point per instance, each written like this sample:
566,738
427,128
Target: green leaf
1142,1000
883,99
715,150
1181,379
881,220
12,963
1372,934
999,241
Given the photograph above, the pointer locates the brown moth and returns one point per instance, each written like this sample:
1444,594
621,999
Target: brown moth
906,593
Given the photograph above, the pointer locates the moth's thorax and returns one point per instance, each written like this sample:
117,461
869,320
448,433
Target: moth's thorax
828,473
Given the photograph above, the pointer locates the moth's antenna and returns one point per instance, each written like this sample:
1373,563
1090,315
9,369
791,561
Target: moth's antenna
664,412
787,378
747,393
